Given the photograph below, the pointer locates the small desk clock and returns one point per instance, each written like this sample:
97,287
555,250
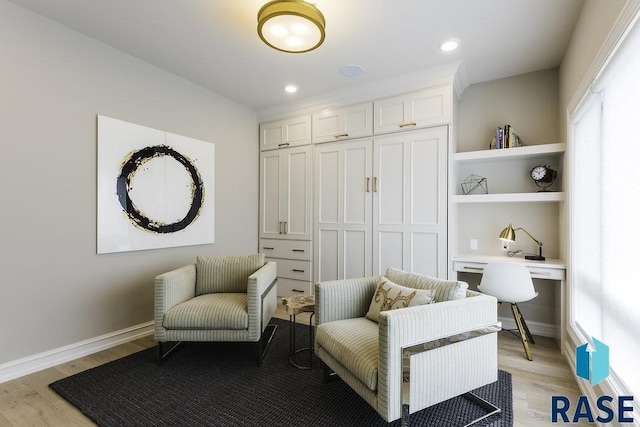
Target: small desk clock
543,176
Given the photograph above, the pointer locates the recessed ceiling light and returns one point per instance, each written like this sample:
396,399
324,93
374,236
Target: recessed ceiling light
448,45
351,70
291,88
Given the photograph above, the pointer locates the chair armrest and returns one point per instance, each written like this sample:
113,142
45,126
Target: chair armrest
258,285
171,289
399,329
260,281
344,299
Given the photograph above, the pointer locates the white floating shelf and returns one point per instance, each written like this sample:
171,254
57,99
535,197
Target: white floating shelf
528,151
510,197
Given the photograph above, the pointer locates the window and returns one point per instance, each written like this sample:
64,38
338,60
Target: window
604,217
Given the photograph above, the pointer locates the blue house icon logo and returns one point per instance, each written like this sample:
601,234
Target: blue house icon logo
592,362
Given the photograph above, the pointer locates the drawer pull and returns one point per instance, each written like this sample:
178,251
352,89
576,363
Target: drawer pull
297,270
298,290
341,135
404,125
284,144
297,250
473,268
267,249
540,273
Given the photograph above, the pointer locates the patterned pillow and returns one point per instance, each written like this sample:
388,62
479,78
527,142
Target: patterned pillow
445,290
228,274
390,296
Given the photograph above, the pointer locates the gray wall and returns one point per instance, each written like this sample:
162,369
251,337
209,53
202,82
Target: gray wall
55,290
528,102
596,20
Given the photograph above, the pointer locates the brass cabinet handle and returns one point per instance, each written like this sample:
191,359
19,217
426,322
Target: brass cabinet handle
284,144
375,184
267,249
285,225
297,270
281,227
368,180
341,135
297,250
404,125
297,290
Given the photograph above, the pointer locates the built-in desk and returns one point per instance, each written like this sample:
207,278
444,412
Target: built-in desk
550,269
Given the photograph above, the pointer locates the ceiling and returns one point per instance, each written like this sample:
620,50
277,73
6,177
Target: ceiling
214,43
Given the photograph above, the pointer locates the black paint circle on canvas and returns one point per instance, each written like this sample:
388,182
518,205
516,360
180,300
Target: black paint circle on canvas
129,168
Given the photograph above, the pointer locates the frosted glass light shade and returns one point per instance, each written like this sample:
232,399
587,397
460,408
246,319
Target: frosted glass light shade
293,26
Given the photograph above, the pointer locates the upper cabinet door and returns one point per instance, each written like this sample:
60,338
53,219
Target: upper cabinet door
344,123
429,107
285,133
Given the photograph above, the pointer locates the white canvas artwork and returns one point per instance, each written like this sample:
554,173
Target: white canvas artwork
155,188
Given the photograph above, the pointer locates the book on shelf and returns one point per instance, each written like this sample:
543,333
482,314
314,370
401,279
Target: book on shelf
505,137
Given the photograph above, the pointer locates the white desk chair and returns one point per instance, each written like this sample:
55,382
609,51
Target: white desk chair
511,283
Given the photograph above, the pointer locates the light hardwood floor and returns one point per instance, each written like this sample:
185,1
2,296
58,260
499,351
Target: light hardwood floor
28,401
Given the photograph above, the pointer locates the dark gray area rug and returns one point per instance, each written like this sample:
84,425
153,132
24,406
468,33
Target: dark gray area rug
219,384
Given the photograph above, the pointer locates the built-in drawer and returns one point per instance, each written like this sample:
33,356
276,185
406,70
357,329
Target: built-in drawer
288,249
293,269
541,272
288,287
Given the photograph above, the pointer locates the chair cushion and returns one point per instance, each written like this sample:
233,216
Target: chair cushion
354,343
391,296
445,290
210,311
225,274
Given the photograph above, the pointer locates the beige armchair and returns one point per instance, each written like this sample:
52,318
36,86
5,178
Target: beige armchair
230,299
411,358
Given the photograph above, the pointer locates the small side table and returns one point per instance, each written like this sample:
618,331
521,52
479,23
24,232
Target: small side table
297,304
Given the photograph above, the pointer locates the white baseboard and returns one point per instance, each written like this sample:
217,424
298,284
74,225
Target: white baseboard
48,359
536,328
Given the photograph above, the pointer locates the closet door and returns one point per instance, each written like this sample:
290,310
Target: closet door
343,190
410,202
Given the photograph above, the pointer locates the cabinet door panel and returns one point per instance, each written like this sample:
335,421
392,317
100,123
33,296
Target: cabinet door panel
391,251
356,260
270,194
326,126
297,195
389,176
424,253
327,184
425,182
327,255
357,183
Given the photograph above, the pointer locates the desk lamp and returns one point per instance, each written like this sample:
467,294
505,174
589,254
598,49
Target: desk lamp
509,235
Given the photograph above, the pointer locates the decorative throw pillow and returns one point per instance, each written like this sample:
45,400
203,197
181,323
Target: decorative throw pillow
228,274
390,296
445,290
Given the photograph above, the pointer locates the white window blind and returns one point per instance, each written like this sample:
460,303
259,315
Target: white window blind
605,213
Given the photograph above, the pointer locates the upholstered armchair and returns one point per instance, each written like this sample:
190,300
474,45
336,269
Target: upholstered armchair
230,299
403,360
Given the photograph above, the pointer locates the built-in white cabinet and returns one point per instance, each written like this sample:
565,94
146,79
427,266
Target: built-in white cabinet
293,258
290,132
381,202
339,124
428,107
285,193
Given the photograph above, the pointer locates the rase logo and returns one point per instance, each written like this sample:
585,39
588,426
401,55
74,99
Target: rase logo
592,364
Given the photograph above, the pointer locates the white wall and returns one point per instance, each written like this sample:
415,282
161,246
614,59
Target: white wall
55,291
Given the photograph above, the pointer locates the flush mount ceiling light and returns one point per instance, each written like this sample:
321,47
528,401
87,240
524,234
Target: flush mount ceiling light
293,26
448,45
290,88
